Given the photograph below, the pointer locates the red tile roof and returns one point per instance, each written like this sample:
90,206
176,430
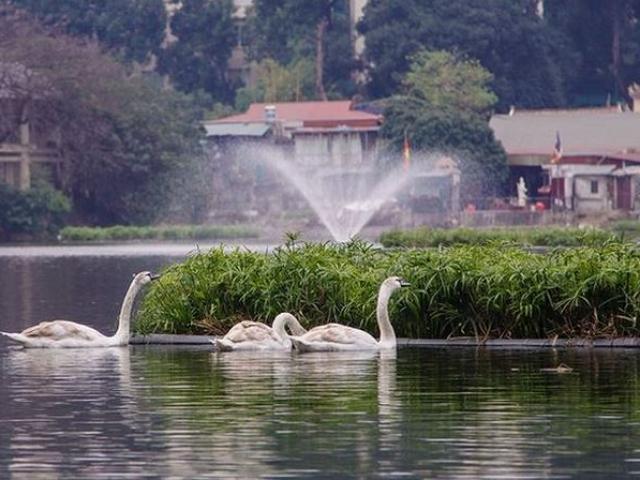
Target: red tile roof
310,114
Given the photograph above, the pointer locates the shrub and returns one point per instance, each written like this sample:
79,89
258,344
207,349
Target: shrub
35,213
540,236
167,232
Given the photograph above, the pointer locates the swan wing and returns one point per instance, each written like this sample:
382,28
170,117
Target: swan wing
58,330
247,331
338,334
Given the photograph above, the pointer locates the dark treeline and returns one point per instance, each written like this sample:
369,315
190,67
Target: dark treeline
125,82
541,54
126,144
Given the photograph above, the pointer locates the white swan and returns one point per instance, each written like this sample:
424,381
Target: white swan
334,336
66,334
248,335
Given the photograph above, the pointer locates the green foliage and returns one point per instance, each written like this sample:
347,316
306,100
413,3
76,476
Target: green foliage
219,110
125,141
164,232
36,213
467,138
469,290
539,236
530,61
130,174
445,81
629,229
198,59
133,29
606,37
286,31
278,83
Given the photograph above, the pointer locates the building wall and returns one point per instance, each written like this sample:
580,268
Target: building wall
344,149
592,194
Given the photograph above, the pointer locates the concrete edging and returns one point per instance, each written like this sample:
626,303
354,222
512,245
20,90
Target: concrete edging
623,342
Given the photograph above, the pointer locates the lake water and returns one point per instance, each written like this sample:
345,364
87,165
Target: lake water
150,412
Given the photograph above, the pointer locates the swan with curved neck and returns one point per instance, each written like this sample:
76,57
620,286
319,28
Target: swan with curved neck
248,335
66,334
334,336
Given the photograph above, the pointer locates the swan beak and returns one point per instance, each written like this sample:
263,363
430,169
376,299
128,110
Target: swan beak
404,283
155,276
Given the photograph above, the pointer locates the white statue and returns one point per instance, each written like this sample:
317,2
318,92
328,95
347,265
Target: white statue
522,193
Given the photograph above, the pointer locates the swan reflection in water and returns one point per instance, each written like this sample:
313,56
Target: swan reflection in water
61,409
187,412
329,388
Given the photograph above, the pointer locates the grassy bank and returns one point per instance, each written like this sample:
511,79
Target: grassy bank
164,232
627,228
539,236
495,290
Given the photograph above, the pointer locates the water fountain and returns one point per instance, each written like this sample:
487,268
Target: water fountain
345,198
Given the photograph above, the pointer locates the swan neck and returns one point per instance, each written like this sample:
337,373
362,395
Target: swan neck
387,334
290,321
278,326
124,320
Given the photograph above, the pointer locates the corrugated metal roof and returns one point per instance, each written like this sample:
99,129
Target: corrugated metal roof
236,129
329,113
588,131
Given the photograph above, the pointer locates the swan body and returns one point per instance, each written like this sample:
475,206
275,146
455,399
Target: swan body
66,334
337,337
248,335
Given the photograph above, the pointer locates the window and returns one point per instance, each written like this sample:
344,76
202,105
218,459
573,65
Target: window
594,186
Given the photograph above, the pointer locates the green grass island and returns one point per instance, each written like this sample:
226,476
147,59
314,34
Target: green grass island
496,290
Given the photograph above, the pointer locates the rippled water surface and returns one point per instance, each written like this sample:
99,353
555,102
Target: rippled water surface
149,412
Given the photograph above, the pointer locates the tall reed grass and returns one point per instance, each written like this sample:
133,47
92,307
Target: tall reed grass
496,290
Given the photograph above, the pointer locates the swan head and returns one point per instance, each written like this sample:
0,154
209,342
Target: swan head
394,283
143,278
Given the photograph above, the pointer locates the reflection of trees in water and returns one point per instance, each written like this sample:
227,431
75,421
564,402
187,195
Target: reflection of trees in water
490,413
262,413
428,413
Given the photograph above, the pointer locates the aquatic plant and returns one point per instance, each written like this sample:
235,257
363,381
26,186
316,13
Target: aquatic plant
538,236
161,232
497,290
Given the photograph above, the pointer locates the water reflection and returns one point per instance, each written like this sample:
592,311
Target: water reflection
192,413
60,408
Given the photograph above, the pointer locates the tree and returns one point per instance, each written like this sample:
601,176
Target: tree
132,29
443,81
277,83
606,35
468,138
445,106
122,139
531,62
289,31
197,59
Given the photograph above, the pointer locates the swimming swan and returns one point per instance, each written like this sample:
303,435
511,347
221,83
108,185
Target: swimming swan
248,335
66,334
334,336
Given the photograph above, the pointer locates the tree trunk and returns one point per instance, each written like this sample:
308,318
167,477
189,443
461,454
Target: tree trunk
618,13
322,27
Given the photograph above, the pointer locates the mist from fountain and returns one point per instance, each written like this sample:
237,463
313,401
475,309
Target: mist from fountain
345,198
